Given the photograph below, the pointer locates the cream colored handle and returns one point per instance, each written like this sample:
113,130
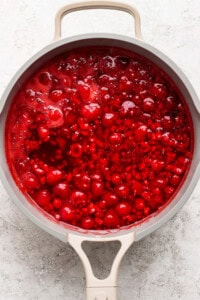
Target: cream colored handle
114,5
101,289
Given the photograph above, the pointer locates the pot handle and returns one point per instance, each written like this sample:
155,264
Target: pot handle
101,289
97,5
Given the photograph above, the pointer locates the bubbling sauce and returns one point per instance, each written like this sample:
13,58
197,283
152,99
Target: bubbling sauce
99,138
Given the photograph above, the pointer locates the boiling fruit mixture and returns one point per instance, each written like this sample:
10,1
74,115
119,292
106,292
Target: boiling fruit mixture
99,138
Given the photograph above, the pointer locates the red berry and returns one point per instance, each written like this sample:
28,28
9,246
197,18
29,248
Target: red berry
141,133
139,204
76,150
87,223
30,181
110,199
123,208
91,111
136,187
54,176
57,203
43,198
111,220
67,213
61,190
122,191
78,197
97,188
82,181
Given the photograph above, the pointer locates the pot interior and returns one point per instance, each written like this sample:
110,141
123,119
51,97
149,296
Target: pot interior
150,224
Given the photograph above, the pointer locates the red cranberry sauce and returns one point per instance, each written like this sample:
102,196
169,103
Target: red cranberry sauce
99,138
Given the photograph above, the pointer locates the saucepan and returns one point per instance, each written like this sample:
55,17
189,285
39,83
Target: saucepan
101,289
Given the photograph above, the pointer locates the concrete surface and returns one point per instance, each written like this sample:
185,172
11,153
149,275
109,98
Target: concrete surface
165,265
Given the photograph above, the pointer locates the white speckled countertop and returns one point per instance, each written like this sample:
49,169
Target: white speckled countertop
166,264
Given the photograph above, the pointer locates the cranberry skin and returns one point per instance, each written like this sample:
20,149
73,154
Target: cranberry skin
87,223
97,188
175,180
61,190
67,213
110,199
43,198
157,165
122,191
78,197
111,220
123,209
136,187
30,181
141,133
76,150
116,179
148,105
91,111
56,95
57,203
54,176
139,204
83,181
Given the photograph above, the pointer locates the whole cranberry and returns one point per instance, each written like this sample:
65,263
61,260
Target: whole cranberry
111,220
136,187
82,181
122,191
97,188
110,199
76,150
30,181
139,204
54,176
78,197
57,203
123,208
61,190
91,111
43,198
141,133
87,223
67,213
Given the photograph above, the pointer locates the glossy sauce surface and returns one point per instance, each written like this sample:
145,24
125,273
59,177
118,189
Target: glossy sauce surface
99,138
